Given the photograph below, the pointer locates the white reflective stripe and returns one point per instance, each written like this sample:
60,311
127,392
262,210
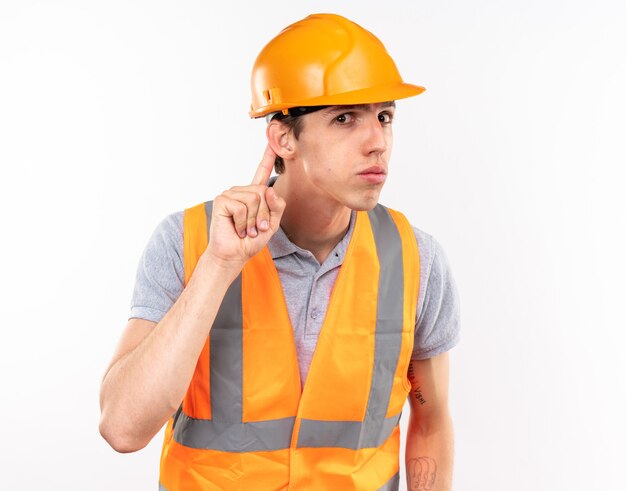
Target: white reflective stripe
226,351
392,485
276,434
344,434
389,323
225,365
258,436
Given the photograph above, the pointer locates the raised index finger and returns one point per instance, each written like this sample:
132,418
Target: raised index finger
266,165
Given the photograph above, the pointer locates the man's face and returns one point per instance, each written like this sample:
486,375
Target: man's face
343,153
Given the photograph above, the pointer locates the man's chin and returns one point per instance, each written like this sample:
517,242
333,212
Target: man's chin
365,205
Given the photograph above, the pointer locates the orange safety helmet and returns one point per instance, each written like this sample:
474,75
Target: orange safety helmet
324,60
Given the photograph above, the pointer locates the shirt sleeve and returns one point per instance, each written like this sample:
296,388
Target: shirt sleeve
438,320
160,275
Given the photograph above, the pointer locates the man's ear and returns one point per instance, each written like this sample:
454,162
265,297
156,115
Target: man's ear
281,139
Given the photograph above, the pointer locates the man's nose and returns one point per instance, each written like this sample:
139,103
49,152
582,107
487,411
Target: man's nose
376,141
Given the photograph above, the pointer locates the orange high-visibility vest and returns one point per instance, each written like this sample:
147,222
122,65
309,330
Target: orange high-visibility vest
245,422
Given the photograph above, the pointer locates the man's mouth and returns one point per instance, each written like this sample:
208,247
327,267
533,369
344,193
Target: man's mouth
375,174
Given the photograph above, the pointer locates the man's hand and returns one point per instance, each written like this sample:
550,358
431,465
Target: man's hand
245,217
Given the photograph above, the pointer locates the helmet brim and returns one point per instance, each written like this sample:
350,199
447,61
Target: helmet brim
370,95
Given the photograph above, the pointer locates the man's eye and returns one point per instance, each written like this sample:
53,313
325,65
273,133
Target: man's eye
385,117
344,118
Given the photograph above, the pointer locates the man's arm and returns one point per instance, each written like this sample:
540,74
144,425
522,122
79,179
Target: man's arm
430,438
154,363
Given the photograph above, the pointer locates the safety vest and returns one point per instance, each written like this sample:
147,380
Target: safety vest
245,422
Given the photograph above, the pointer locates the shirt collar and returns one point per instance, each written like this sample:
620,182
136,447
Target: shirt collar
280,245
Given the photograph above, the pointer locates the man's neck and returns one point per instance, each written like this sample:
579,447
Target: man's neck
313,224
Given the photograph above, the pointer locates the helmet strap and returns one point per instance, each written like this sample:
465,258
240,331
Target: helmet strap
294,112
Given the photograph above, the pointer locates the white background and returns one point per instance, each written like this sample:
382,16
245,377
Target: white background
114,114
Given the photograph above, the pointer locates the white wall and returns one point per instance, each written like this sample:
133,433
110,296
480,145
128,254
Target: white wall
113,114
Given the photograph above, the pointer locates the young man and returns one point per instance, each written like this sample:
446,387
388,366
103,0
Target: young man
293,316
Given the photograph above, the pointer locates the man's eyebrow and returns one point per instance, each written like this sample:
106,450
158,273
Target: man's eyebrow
359,107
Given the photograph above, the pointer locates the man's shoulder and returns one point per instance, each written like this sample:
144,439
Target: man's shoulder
172,224
424,239
432,255
167,235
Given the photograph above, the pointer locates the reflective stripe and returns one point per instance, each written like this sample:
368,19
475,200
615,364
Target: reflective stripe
343,434
176,416
389,323
226,357
276,434
208,208
392,485
226,347
233,437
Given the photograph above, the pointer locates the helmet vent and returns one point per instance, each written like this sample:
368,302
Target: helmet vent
272,96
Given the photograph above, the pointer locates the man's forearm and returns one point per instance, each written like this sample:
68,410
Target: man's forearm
429,455
142,389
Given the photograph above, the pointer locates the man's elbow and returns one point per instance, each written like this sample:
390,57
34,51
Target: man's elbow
121,441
